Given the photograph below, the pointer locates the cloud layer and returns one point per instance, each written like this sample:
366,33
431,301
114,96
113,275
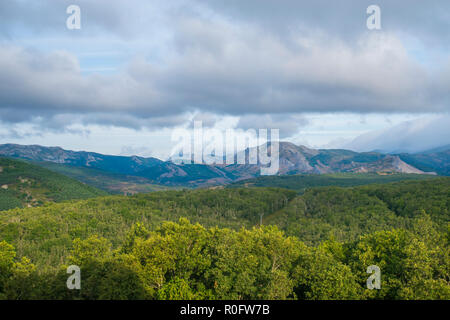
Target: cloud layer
267,62
215,70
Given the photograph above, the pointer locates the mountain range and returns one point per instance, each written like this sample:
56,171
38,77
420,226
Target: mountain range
293,159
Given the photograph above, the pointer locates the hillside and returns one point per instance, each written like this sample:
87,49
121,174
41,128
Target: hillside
300,182
347,213
114,183
26,185
434,160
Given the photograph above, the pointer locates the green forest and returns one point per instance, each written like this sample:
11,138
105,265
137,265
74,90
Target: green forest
314,243
110,182
301,182
27,185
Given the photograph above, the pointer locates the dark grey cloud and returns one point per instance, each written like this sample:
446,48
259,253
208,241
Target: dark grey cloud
208,120
287,124
39,85
133,121
259,77
126,19
427,20
48,17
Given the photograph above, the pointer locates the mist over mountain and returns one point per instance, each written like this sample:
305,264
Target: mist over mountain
408,137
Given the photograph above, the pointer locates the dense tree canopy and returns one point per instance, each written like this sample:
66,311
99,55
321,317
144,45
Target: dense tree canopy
26,185
316,245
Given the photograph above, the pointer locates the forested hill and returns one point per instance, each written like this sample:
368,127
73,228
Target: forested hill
301,182
329,235
26,185
345,214
113,183
46,232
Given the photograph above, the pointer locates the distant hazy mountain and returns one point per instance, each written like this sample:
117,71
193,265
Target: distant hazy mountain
293,160
437,160
116,164
445,148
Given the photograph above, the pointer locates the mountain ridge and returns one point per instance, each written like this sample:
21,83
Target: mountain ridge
293,159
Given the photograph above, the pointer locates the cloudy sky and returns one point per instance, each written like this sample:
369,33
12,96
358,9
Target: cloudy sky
136,70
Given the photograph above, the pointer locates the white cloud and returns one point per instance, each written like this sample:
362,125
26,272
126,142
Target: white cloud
410,136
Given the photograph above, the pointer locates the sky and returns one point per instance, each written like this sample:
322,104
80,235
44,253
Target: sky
138,70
